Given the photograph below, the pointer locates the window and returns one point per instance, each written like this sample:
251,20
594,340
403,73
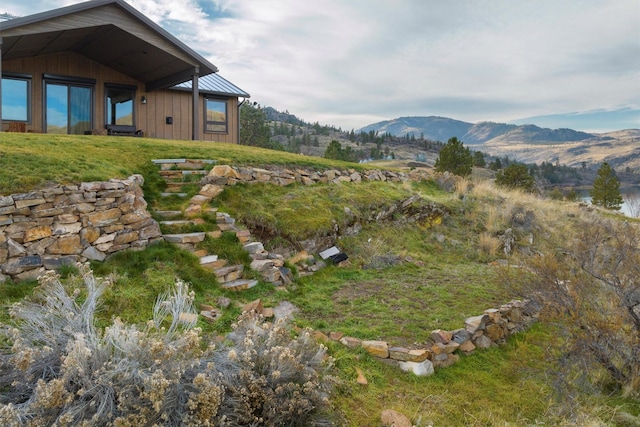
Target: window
215,119
16,98
119,107
67,108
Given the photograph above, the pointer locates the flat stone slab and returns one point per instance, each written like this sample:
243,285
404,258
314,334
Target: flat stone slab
240,285
195,172
208,259
178,222
167,214
173,194
421,369
184,238
161,161
329,252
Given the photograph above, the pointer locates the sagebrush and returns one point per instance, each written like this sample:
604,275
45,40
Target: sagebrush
61,370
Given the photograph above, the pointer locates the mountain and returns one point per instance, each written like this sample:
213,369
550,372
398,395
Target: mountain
434,128
525,143
442,128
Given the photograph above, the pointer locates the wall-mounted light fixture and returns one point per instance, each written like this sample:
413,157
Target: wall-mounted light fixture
143,99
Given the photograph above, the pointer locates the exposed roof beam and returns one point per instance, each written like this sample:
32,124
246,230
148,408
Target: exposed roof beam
171,80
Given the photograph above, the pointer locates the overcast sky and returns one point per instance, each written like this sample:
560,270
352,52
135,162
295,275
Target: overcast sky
350,63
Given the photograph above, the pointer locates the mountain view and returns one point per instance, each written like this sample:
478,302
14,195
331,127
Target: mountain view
526,143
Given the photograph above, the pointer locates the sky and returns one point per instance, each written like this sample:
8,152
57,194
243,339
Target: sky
351,63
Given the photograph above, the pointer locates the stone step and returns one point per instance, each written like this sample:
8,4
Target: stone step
179,173
229,273
240,285
176,186
166,164
168,214
178,222
185,237
213,265
208,259
173,194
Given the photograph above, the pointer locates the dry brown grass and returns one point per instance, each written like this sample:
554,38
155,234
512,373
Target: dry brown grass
489,244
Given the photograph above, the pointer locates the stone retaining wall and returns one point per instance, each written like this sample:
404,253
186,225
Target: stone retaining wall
442,348
45,229
230,175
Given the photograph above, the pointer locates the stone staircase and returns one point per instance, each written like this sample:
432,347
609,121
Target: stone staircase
179,172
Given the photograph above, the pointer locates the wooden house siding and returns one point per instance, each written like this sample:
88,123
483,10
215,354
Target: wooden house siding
150,117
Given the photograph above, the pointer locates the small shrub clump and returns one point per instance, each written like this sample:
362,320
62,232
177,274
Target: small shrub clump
61,370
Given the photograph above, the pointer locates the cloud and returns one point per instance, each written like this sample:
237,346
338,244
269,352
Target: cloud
351,63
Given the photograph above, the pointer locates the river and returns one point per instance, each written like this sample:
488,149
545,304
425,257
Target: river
630,195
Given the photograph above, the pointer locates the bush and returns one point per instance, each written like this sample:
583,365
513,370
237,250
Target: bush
455,158
62,370
516,176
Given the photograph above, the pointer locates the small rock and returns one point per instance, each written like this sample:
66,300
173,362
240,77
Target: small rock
362,380
255,305
350,342
482,341
467,347
206,307
391,418
419,368
210,315
376,348
441,336
336,335
224,302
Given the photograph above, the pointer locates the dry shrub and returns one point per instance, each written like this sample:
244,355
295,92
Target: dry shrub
495,221
592,283
462,186
62,370
489,244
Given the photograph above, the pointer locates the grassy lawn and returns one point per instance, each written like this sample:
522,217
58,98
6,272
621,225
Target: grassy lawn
29,161
443,274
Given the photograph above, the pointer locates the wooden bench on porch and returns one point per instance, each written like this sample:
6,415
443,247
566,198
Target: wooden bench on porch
123,130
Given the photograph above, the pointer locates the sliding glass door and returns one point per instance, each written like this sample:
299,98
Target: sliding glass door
68,108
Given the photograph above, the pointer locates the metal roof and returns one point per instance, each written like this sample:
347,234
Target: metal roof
214,84
110,32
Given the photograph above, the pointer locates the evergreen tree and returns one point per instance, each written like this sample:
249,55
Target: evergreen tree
515,176
606,189
496,165
455,158
253,126
478,159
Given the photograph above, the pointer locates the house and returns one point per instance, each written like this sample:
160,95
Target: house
103,67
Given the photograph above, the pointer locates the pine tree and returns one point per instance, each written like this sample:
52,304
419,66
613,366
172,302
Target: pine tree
516,176
606,189
455,158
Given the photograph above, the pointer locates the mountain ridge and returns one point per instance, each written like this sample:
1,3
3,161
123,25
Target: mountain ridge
526,143
438,127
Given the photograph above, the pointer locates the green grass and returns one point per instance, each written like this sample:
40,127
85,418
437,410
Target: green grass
442,277
29,161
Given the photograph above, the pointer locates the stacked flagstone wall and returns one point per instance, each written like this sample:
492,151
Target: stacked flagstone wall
230,175
442,348
45,229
